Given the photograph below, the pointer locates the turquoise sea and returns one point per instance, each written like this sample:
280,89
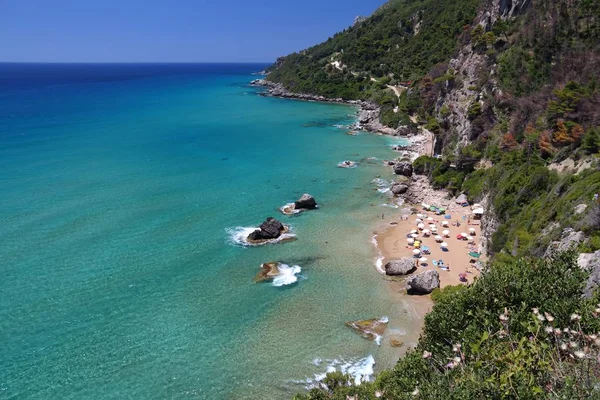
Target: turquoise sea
122,187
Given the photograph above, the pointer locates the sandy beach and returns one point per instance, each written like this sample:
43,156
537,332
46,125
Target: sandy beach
393,241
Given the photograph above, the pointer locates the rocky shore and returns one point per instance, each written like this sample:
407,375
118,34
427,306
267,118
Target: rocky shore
367,116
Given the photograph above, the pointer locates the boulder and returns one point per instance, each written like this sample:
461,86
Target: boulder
424,283
306,202
569,239
399,188
590,262
370,329
403,168
403,266
270,229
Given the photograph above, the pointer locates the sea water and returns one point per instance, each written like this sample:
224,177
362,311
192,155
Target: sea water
124,192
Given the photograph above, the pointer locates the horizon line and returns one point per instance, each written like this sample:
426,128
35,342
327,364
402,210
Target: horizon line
136,62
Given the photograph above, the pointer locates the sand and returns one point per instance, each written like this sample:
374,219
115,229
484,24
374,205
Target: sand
392,242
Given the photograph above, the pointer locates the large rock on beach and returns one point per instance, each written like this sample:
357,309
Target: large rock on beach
306,202
403,266
399,188
424,283
270,229
403,168
370,329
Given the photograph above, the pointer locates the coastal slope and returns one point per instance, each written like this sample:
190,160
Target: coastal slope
509,89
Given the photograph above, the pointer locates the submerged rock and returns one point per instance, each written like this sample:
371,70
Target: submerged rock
270,229
306,202
396,341
371,329
347,164
403,266
424,283
268,271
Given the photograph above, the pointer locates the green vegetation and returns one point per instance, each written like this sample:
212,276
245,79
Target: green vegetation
404,39
501,338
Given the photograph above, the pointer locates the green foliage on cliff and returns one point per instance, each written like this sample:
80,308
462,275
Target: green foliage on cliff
403,39
501,338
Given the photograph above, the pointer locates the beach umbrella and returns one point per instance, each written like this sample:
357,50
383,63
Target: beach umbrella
418,220
462,277
423,260
410,240
469,238
429,219
414,235
421,226
432,225
416,252
464,234
474,254
448,216
444,244
446,233
413,231
425,206
445,223
419,215
472,231
439,238
426,232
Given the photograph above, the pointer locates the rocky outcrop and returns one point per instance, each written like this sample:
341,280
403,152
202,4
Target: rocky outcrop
590,262
347,164
569,239
403,168
396,341
371,329
403,266
399,188
270,229
306,202
424,283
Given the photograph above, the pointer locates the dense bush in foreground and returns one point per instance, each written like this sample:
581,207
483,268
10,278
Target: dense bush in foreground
521,332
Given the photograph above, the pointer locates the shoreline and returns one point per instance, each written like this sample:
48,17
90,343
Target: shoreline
387,237
367,115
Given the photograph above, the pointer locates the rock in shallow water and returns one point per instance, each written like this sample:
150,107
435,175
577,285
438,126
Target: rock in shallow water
403,168
371,329
270,229
396,341
424,283
306,202
403,266
399,188
268,271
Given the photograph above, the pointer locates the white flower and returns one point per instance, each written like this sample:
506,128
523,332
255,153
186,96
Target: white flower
557,331
541,317
563,346
456,360
456,348
503,317
536,311
597,310
573,344
426,354
379,394
415,392
549,317
549,329
579,354
575,317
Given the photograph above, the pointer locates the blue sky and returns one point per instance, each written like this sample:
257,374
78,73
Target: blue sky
169,31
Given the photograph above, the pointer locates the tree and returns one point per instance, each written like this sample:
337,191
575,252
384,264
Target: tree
508,142
561,134
545,144
591,141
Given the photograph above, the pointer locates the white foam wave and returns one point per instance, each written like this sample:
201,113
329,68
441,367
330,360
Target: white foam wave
382,183
361,370
239,236
379,265
287,275
289,209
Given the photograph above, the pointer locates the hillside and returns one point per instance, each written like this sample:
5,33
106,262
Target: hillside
511,90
